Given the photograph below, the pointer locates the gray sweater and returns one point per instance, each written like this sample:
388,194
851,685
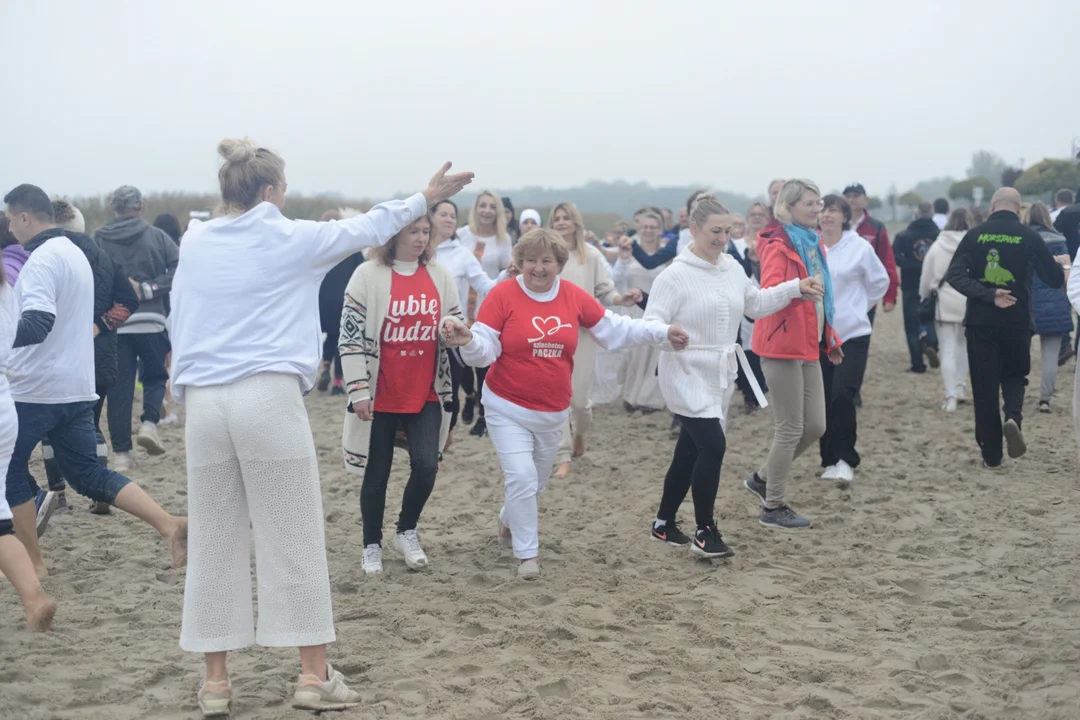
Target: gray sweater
149,257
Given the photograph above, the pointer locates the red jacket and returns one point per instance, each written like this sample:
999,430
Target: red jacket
790,334
874,232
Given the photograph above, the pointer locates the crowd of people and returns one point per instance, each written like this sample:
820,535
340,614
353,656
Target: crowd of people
404,309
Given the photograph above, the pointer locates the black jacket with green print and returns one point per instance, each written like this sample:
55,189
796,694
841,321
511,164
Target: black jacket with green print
1001,254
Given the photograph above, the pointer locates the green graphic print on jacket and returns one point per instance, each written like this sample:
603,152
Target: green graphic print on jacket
995,274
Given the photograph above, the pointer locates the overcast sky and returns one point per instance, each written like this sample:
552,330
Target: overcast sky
368,97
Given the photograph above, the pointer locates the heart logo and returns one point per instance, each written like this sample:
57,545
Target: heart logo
547,326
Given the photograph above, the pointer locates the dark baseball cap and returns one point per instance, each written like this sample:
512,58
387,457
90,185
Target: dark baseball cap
854,188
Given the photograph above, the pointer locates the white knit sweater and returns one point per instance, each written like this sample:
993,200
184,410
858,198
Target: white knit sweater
708,302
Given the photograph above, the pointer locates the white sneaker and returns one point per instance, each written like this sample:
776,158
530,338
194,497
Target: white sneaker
372,563
529,570
831,473
408,544
148,439
844,472
169,419
949,405
122,463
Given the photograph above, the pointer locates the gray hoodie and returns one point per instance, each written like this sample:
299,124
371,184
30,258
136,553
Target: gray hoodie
149,257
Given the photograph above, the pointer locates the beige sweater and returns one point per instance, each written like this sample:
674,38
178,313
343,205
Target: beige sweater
367,298
593,276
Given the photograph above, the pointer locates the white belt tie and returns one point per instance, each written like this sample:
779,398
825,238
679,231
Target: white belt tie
731,357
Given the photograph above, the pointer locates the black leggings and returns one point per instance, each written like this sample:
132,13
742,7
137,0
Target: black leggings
422,430
699,454
842,384
330,352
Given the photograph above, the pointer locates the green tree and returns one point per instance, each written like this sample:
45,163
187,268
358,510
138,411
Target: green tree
1048,176
987,165
910,198
965,189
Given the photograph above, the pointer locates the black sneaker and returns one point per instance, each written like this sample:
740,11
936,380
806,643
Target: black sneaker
469,411
708,543
783,518
1014,439
756,486
1044,406
337,390
480,428
670,533
1066,355
932,356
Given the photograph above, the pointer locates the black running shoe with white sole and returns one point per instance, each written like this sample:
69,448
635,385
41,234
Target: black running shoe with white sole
708,543
670,533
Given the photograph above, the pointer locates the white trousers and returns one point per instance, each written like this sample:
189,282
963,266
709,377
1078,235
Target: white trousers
526,442
252,467
579,421
9,432
954,359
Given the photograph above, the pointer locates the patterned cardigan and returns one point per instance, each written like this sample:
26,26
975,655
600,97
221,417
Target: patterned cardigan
367,298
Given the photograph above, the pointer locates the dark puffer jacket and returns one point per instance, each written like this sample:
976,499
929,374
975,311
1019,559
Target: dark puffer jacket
1053,314
114,302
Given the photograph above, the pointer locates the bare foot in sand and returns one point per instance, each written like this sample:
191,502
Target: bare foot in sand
176,541
39,617
562,471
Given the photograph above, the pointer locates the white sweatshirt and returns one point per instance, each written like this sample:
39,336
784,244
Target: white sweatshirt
859,281
951,305
466,270
245,298
708,302
494,259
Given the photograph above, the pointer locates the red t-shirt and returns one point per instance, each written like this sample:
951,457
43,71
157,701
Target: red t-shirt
538,343
409,345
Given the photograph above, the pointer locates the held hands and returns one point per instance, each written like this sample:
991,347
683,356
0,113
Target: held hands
678,338
1063,261
888,306
836,355
626,248
811,289
443,186
364,409
455,334
1004,299
138,289
631,298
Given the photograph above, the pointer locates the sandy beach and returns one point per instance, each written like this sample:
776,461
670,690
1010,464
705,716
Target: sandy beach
929,589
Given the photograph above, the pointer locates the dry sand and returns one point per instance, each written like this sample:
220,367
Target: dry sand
929,589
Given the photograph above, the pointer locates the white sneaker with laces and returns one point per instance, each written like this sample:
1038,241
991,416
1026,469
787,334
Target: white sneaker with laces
149,440
949,405
844,472
121,463
408,544
830,473
372,563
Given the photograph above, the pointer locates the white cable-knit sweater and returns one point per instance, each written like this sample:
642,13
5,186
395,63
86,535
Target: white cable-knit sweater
708,302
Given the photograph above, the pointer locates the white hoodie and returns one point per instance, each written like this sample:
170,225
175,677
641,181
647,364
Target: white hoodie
859,281
708,302
245,298
951,305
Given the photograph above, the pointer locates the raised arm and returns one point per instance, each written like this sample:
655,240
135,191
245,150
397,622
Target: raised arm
478,279
333,241
615,332
661,256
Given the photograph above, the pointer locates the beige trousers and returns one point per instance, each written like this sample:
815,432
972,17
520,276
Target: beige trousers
797,397
580,420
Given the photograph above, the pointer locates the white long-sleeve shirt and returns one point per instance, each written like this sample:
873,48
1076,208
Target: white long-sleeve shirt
708,302
859,281
245,298
465,268
494,259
